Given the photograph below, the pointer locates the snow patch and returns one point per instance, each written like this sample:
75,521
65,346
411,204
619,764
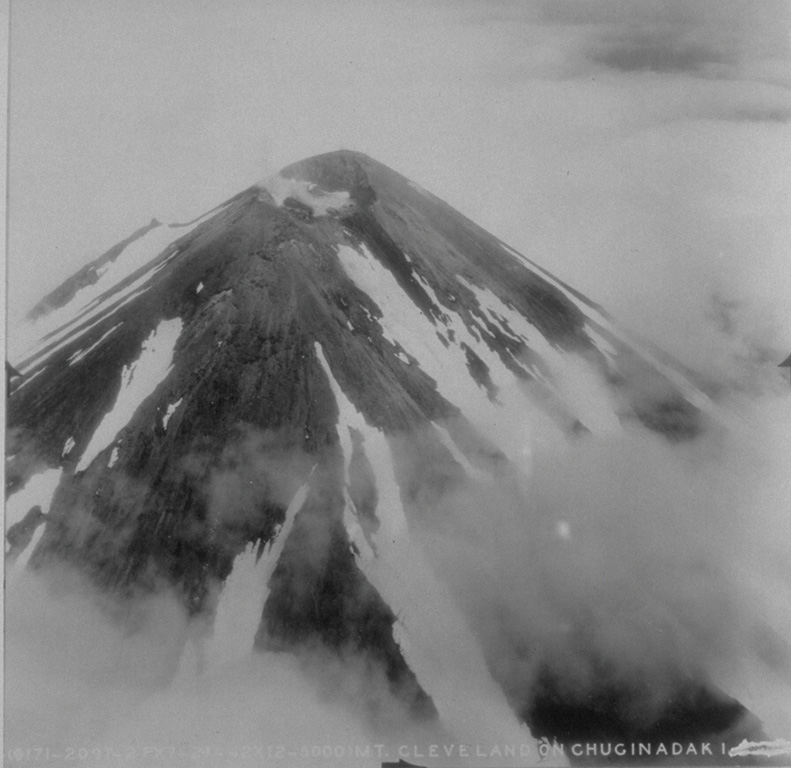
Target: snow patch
604,346
199,288
449,443
432,295
113,458
576,382
405,325
170,411
245,591
319,201
37,491
348,416
138,381
506,317
67,446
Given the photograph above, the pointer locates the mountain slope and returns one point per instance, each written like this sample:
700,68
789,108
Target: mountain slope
323,361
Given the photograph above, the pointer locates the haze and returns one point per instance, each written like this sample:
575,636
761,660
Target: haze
637,149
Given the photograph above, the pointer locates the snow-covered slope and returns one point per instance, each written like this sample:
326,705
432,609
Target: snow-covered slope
331,355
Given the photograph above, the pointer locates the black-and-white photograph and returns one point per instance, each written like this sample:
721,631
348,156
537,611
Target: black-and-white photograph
397,383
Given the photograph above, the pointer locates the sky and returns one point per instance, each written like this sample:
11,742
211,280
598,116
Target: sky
637,149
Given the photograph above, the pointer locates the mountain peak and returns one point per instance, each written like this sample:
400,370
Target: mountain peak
318,369
337,159
341,170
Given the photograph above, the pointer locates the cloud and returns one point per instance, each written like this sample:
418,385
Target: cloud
151,690
651,52
557,40
644,171
762,114
631,562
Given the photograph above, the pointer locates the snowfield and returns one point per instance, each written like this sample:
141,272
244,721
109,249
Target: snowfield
572,380
471,704
138,381
38,490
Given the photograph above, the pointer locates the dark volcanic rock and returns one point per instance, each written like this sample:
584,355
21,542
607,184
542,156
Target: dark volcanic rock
693,714
319,595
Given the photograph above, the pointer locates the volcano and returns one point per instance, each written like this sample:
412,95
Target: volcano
310,377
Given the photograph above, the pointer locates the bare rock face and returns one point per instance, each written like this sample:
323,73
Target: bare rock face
313,362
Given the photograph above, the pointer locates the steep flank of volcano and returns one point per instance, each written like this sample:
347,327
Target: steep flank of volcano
417,235
317,363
